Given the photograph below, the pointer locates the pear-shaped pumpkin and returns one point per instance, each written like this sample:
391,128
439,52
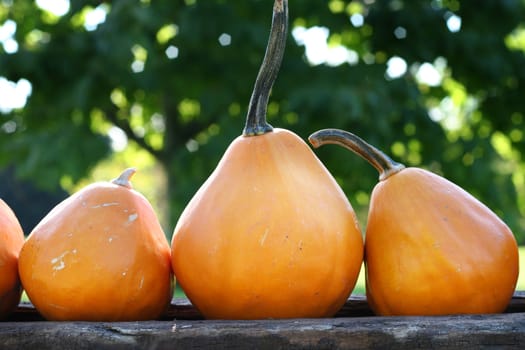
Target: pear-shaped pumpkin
431,247
270,234
11,241
100,255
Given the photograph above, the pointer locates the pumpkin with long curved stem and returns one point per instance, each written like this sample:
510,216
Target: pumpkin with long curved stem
100,255
11,241
430,247
270,234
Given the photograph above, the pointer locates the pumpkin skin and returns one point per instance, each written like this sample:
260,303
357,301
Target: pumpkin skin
100,255
11,241
431,248
270,234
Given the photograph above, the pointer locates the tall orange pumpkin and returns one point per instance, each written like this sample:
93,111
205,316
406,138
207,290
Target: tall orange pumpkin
11,241
431,248
100,255
270,234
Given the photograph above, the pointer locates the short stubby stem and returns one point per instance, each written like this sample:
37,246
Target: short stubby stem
256,123
383,163
124,179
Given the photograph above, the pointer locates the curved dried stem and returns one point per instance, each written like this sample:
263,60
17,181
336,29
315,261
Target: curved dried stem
256,123
379,160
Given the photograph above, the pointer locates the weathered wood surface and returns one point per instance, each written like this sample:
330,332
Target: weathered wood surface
354,327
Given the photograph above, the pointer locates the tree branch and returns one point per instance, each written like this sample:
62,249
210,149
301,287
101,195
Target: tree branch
178,134
111,115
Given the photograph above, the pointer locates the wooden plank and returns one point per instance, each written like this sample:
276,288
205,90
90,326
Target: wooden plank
182,309
503,331
352,328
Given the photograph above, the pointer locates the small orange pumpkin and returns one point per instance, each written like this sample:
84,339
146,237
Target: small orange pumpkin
11,241
431,248
100,255
270,234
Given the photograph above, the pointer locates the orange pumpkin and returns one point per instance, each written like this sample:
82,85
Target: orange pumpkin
100,255
270,234
431,248
11,241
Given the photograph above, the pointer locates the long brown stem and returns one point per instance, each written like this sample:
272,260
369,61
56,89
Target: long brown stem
256,123
383,163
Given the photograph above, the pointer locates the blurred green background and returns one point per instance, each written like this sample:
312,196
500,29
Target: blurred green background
88,88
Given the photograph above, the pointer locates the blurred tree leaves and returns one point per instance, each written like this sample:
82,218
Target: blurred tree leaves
176,78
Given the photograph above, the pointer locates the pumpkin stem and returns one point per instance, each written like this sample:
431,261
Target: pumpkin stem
256,118
383,163
124,178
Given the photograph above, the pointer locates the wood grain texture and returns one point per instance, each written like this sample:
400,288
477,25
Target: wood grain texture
352,328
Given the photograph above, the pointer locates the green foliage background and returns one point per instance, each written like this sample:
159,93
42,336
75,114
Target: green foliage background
179,114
